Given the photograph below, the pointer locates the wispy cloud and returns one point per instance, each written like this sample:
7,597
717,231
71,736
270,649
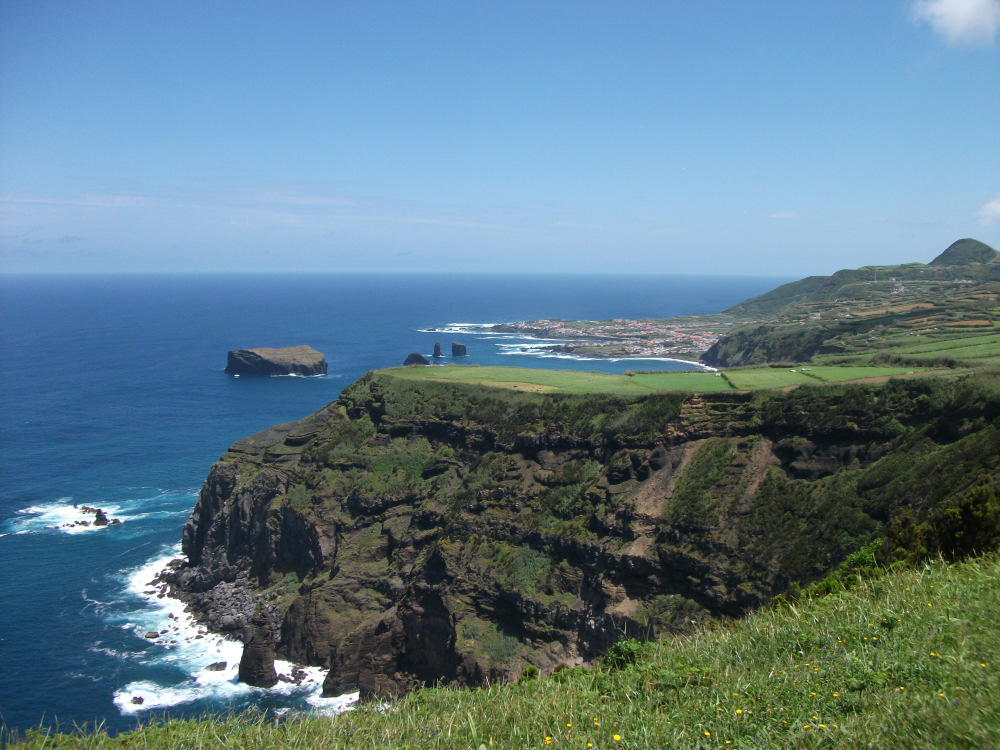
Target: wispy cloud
784,215
962,23
989,212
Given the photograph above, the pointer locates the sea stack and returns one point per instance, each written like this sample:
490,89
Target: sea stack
437,349
257,662
458,350
289,360
416,358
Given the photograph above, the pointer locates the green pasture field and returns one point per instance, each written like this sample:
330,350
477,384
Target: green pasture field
978,347
565,381
842,374
949,344
981,351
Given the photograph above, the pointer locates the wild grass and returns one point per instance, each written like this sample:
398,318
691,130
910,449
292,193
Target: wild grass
906,659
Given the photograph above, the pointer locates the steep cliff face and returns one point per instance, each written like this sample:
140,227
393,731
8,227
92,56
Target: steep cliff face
763,344
448,533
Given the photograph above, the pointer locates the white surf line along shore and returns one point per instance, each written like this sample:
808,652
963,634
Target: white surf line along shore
184,644
537,347
539,350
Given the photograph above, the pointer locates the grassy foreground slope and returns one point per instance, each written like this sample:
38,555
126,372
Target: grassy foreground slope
907,659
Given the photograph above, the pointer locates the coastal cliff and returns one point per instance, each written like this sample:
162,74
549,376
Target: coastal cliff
409,534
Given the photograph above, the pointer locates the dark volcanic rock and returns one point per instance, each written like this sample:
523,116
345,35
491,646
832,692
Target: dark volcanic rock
100,518
458,350
409,578
257,662
416,358
290,360
218,666
437,349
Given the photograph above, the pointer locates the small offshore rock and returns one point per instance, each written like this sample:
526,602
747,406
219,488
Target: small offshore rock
138,700
100,518
217,666
416,358
152,635
257,662
458,350
437,349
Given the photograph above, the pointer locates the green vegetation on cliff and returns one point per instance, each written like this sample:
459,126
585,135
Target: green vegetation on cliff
904,659
421,531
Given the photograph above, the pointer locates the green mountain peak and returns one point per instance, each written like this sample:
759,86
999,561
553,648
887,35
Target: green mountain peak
965,251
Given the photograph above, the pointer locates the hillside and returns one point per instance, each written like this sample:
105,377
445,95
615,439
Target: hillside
875,311
906,659
416,532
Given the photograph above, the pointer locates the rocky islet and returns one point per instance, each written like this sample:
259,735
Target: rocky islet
291,360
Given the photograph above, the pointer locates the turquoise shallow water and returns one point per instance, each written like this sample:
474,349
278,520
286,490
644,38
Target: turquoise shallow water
113,394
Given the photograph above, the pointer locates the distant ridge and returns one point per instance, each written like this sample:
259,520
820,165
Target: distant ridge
968,258
966,251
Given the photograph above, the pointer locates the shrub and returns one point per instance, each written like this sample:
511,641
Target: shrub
626,651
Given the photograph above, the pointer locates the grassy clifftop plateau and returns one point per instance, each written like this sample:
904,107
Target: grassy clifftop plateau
905,659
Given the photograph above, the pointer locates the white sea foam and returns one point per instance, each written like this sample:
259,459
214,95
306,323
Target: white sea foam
468,329
188,647
540,350
61,515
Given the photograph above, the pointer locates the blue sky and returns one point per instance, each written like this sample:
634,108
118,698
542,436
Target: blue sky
786,138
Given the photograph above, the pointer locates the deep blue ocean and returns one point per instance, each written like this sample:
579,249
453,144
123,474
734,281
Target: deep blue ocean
112,394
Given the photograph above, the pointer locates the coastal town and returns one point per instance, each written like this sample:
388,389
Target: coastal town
681,338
